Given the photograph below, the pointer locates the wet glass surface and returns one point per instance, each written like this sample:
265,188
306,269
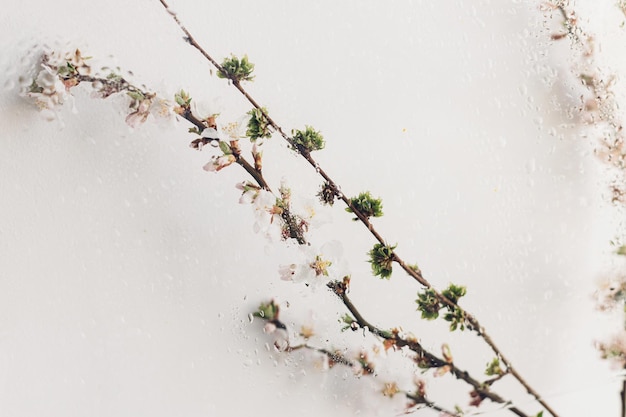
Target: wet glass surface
128,274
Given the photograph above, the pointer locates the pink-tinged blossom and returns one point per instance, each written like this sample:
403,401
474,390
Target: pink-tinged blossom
257,154
158,108
281,338
218,162
140,115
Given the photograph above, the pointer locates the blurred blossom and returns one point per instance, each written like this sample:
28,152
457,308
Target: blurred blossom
614,349
151,105
310,210
610,292
140,115
249,193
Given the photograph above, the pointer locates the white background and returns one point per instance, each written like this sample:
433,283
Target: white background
127,272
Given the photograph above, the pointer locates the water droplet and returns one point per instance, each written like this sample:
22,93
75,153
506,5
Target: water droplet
9,84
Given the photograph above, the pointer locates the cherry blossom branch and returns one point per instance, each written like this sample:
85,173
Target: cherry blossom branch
115,83
424,357
73,70
415,273
270,312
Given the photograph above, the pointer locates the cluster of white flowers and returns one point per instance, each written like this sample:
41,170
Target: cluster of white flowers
48,87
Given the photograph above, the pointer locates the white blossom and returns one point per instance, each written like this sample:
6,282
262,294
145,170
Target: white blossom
49,92
316,266
151,105
267,214
236,130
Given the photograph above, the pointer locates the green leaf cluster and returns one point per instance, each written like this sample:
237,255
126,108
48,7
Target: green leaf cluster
454,292
236,69
456,317
307,140
267,311
258,125
493,368
429,304
381,259
366,205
